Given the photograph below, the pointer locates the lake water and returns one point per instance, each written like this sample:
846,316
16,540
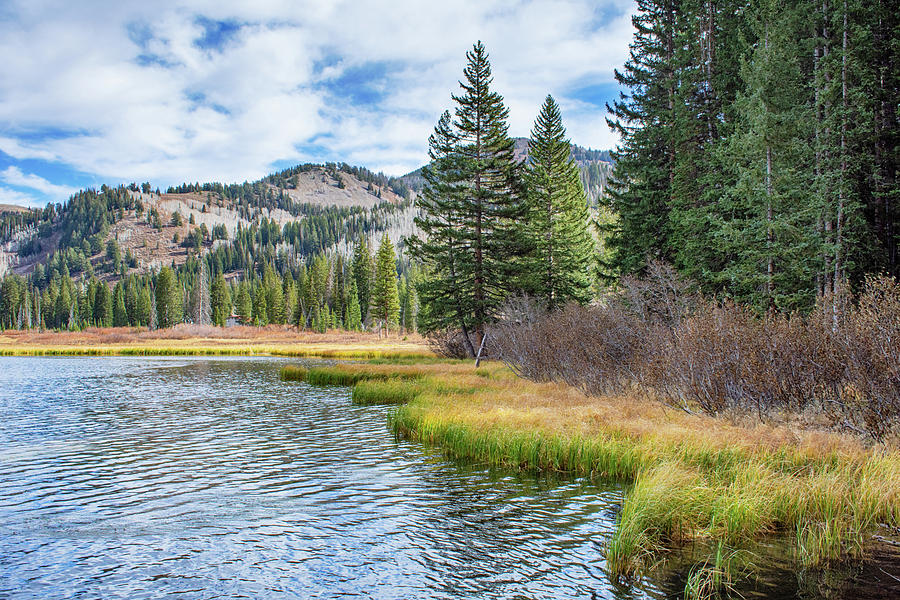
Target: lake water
210,478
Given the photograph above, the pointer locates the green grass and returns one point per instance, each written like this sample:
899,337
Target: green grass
689,479
387,391
717,574
720,494
346,375
369,388
293,373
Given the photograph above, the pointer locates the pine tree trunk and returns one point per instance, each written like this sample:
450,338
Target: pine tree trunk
820,220
479,250
838,267
711,105
884,175
459,309
204,308
670,73
549,240
770,259
826,191
770,262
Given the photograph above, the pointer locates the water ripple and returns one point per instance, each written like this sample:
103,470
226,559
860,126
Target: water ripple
210,478
196,478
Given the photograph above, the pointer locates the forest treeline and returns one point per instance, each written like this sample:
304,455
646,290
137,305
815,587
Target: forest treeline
89,281
759,147
375,291
758,156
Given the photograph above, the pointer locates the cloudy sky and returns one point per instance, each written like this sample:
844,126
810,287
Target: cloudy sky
98,92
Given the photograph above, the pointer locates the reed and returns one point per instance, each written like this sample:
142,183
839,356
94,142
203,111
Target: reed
293,373
690,477
349,375
716,575
387,391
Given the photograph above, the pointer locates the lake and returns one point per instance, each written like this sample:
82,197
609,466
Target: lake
211,478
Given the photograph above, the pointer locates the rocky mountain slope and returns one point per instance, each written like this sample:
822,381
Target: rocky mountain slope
334,204
331,207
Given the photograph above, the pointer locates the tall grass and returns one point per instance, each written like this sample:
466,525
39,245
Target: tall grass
387,391
715,575
293,373
349,375
386,356
689,477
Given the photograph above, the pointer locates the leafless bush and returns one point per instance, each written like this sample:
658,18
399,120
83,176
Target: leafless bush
450,343
598,348
843,360
866,351
726,358
661,295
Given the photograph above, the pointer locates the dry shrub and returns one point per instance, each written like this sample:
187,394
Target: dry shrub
450,343
598,348
866,343
841,361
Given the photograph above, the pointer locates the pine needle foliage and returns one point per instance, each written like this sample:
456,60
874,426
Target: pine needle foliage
471,209
385,309
561,261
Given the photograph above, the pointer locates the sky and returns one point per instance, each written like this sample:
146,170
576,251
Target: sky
95,92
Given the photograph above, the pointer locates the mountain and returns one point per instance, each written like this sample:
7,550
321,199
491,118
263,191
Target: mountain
12,208
595,166
287,216
329,207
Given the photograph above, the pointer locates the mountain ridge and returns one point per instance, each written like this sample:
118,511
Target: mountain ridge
334,204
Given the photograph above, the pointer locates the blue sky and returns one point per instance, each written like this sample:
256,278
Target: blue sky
226,90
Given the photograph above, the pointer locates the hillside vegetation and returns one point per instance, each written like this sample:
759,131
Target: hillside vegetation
334,206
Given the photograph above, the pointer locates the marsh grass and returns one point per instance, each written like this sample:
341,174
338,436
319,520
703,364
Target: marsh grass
387,391
716,575
386,356
691,477
293,373
350,375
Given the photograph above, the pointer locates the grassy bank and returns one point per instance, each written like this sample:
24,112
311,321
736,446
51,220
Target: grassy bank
293,351
214,341
692,477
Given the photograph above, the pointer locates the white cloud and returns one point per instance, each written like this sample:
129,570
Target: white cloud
17,150
8,196
76,88
15,176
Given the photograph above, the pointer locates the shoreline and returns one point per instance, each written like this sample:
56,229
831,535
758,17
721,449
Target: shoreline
213,341
690,477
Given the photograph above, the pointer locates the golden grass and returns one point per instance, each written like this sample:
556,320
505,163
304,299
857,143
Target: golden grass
692,476
187,340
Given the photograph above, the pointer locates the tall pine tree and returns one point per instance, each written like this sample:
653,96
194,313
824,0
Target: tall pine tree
446,288
385,308
641,189
562,257
477,189
766,222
